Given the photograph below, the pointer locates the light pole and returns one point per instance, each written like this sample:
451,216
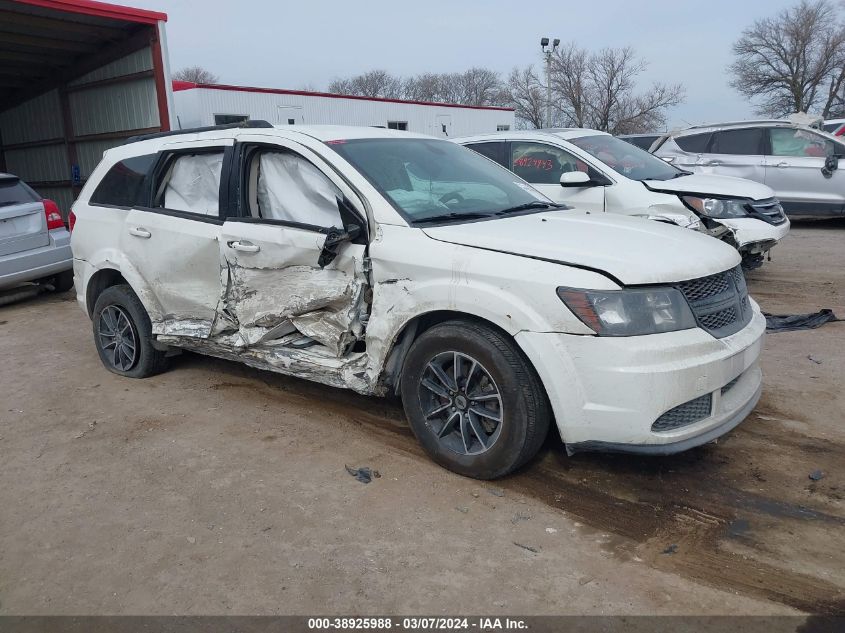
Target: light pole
547,51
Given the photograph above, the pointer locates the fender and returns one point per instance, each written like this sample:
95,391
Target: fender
114,259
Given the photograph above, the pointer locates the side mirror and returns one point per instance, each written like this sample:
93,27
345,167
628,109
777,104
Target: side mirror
575,179
831,164
335,238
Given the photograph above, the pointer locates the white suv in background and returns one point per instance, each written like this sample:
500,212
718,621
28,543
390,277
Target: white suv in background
595,171
383,261
800,163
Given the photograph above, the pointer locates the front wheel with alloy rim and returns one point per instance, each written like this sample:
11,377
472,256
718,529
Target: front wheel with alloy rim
473,400
123,334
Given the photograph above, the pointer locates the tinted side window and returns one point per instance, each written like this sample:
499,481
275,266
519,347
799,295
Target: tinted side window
543,164
694,143
493,151
643,142
745,141
123,186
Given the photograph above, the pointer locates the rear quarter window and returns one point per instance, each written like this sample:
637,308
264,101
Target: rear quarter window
492,150
694,143
745,141
123,184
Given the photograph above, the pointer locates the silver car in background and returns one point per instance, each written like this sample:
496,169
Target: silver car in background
34,243
800,163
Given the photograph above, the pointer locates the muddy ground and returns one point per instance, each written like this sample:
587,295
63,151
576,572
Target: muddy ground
217,489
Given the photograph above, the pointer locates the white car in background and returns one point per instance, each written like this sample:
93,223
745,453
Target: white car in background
597,172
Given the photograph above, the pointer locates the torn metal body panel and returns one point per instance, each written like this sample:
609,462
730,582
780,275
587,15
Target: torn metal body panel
265,303
311,363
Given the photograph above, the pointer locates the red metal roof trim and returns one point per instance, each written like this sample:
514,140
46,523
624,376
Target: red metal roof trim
101,10
189,85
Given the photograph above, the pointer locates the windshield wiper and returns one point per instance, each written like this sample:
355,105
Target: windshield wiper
530,205
454,215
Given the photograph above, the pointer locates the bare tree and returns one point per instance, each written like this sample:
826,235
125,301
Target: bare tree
424,87
196,74
476,86
793,62
527,97
479,86
599,90
569,80
374,83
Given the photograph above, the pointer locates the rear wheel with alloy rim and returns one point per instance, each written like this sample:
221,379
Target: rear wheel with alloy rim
123,334
117,338
473,400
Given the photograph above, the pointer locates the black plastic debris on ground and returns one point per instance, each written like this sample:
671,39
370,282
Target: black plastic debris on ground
792,322
364,474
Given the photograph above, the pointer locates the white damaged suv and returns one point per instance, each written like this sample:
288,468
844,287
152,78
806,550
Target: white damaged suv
383,261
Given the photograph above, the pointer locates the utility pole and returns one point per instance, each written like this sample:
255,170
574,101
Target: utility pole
547,51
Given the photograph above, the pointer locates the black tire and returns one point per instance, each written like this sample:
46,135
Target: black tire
522,406
146,360
63,281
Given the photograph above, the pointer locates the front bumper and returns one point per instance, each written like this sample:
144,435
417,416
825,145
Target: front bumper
755,237
607,392
37,263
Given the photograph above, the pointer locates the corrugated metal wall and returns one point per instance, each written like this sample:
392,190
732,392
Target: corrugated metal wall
95,108
197,107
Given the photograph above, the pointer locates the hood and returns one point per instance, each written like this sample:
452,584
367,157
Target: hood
633,250
713,185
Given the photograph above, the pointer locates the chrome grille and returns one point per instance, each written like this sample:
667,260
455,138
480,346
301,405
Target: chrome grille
685,414
719,302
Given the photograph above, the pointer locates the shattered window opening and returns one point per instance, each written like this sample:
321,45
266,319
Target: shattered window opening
285,186
192,184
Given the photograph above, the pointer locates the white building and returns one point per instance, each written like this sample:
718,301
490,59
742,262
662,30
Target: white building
198,105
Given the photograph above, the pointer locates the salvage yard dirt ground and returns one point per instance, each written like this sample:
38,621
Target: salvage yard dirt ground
218,489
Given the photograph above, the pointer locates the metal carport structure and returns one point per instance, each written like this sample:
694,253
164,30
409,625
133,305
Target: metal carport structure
76,78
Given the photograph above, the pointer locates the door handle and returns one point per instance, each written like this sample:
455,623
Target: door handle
783,163
246,247
137,231
713,163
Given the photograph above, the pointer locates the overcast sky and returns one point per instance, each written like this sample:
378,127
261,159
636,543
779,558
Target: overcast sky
307,44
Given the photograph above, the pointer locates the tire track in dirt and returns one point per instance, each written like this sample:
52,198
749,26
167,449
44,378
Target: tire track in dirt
690,504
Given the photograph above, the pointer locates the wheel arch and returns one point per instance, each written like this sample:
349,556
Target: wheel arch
414,327
99,281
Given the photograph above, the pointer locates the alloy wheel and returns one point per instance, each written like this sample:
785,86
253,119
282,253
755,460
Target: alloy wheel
118,338
461,403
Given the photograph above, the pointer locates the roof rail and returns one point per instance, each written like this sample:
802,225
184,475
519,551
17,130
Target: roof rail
257,123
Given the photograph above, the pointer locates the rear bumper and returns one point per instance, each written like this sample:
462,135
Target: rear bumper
606,392
37,263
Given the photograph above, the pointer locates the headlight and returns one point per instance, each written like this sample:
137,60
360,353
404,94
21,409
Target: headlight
716,208
630,312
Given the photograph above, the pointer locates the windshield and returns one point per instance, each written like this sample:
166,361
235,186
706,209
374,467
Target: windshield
626,159
425,179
